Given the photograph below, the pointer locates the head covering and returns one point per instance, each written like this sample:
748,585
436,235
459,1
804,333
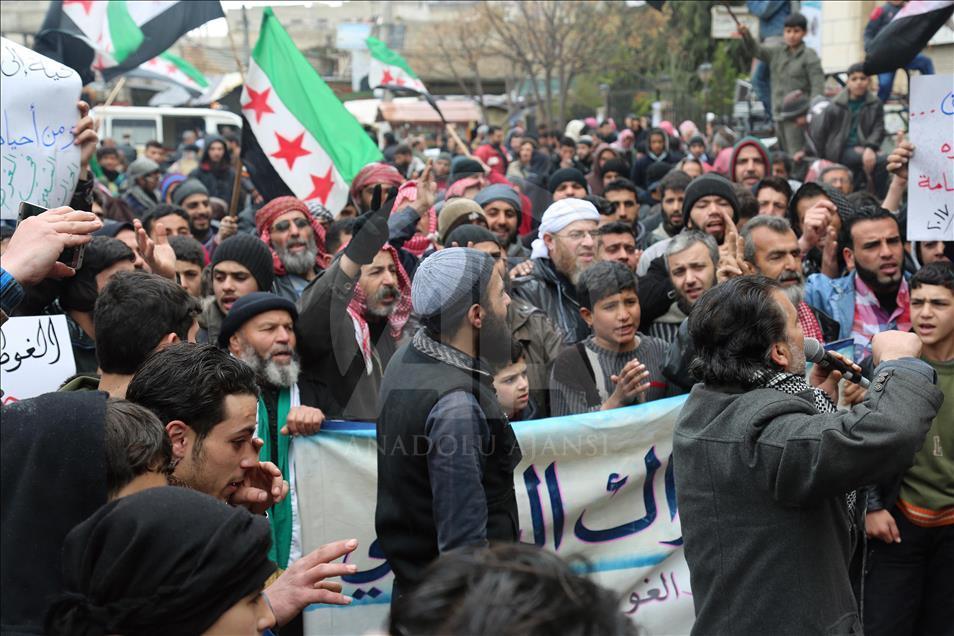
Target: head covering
319,211
688,129
162,561
696,139
419,243
499,192
559,215
187,189
373,174
618,166
266,216
708,185
358,309
250,252
453,211
794,105
563,175
140,168
53,470
80,291
813,189
655,173
462,166
464,234
747,141
573,129
585,139
249,306
667,127
167,182
448,277
462,184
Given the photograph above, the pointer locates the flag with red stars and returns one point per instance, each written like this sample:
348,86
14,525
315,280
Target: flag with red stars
167,67
389,70
114,36
297,137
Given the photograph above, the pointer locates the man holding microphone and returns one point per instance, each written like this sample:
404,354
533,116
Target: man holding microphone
768,472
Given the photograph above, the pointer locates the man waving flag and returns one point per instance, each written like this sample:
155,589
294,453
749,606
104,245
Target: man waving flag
297,137
390,70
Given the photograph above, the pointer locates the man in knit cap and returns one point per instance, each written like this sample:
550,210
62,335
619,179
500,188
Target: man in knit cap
297,242
566,245
501,205
567,183
142,177
241,265
456,212
193,197
438,396
353,317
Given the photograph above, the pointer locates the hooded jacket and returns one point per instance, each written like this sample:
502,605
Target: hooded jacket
742,143
217,179
595,176
829,132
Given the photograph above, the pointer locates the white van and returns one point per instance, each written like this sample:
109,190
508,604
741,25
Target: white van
164,124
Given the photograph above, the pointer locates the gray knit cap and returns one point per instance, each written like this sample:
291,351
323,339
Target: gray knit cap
141,167
448,277
186,189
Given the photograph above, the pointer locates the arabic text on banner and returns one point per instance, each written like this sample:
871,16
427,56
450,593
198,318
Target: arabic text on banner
35,356
597,486
931,172
38,111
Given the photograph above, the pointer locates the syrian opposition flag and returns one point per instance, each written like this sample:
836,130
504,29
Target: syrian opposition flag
390,70
170,68
115,36
906,35
297,138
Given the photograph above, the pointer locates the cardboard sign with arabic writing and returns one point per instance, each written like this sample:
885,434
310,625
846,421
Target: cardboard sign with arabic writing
35,356
38,111
599,486
931,172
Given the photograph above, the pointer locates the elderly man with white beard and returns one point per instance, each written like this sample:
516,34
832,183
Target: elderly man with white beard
297,241
771,247
259,330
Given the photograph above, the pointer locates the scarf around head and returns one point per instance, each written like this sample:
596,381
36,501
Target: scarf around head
558,216
372,174
274,209
358,307
419,243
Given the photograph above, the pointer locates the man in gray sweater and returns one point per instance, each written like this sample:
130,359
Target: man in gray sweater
768,472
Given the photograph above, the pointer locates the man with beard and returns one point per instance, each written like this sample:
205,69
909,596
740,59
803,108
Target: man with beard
501,205
142,179
566,245
353,317
749,163
446,452
297,241
193,197
673,193
874,296
260,331
216,171
771,247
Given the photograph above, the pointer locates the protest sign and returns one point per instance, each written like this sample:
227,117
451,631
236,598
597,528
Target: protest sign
37,114
598,486
931,171
35,356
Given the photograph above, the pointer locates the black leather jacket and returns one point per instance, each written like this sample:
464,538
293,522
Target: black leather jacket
554,294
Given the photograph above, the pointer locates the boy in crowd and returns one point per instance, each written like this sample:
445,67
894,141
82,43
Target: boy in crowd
615,366
513,386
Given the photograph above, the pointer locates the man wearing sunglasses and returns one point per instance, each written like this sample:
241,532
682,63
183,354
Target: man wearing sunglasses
297,241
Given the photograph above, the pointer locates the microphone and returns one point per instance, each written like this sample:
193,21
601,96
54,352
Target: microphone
815,352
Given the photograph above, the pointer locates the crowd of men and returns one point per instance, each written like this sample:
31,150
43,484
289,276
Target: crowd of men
520,276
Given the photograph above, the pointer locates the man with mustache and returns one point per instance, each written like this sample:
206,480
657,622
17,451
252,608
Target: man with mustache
565,247
874,296
297,241
771,247
260,331
749,163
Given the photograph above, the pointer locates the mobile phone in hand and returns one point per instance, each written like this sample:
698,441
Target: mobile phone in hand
71,256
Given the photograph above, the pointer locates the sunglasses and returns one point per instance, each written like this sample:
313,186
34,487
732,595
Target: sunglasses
283,226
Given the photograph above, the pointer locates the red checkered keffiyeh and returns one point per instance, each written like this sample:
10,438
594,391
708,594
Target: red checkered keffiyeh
809,323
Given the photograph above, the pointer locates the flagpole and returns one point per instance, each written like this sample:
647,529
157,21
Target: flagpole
237,160
115,91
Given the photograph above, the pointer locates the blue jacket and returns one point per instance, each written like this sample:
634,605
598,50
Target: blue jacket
835,297
771,14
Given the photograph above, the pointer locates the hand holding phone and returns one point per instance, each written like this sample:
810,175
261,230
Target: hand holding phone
42,238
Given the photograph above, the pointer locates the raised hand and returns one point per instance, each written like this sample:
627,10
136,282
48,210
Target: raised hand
158,254
304,584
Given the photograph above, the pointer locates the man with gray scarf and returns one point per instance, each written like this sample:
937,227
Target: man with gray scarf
767,471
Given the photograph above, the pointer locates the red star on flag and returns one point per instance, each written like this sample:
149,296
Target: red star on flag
258,102
322,187
86,4
399,81
387,78
171,68
290,149
100,63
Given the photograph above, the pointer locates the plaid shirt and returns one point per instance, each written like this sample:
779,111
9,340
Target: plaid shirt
810,326
871,319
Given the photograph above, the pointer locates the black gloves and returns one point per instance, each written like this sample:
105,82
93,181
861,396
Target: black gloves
371,229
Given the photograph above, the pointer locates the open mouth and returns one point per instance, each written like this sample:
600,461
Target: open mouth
227,301
628,330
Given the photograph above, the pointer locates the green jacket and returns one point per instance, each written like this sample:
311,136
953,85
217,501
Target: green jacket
791,71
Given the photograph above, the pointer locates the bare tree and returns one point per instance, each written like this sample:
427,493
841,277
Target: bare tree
462,56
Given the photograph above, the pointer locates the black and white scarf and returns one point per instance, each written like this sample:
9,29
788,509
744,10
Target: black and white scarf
796,385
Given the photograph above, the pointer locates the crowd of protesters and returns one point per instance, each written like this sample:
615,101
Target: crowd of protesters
519,275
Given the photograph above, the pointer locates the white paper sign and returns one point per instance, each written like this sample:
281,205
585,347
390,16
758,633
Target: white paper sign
35,356
931,171
38,111
598,485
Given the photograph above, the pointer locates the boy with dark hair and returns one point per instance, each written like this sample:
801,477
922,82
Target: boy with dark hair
190,261
513,386
175,221
773,194
615,366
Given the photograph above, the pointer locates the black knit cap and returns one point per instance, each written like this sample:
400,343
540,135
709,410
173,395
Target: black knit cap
250,252
249,306
708,185
563,175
